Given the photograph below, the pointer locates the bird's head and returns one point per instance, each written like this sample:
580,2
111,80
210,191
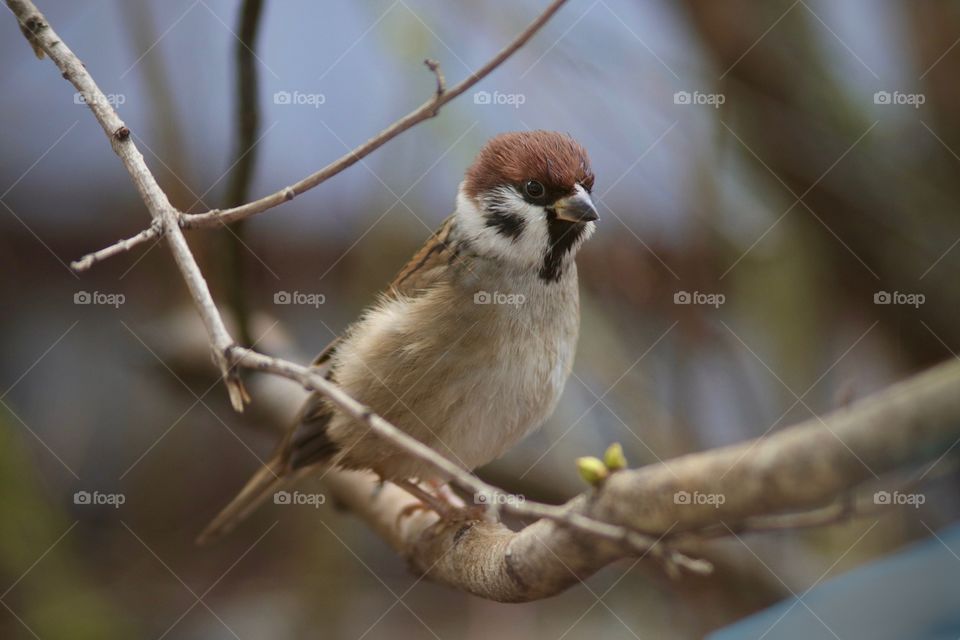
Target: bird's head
526,201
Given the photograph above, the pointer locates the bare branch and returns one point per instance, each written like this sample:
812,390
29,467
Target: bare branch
424,112
429,109
164,214
800,468
126,244
434,66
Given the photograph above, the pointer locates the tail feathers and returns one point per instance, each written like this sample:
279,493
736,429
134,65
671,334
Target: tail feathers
263,483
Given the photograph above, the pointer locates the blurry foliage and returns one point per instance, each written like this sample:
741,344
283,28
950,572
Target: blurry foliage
60,597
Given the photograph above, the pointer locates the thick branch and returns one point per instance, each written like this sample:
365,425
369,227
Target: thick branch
483,558
805,466
797,468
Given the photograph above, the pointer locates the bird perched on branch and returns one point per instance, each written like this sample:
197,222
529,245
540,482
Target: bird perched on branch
469,348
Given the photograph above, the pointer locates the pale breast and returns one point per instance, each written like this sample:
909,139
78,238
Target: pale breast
469,368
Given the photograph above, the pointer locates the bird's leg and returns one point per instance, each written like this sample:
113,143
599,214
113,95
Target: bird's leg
443,491
476,511
427,501
423,495
446,503
443,500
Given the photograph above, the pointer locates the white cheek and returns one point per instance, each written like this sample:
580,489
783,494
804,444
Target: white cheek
525,250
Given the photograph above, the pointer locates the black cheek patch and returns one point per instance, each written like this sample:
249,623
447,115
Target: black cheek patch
507,224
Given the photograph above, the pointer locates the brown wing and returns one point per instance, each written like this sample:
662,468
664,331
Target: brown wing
428,265
307,443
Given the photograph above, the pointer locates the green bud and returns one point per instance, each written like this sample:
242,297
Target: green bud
592,470
614,458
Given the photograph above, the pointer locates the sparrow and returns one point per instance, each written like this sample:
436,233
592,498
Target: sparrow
470,346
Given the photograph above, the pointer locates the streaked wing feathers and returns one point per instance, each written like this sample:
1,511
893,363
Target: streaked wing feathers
307,442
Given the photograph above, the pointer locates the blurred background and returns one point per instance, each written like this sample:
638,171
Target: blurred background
778,191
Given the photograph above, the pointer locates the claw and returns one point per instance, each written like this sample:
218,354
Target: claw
409,510
446,504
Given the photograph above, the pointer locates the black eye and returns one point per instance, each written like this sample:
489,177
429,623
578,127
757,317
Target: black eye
534,189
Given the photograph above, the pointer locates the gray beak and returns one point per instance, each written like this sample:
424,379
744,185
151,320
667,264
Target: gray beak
576,208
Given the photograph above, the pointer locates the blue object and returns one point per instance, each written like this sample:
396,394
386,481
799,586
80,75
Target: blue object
913,595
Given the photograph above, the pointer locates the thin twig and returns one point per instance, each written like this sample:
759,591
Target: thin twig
830,514
424,112
434,66
120,246
429,109
845,508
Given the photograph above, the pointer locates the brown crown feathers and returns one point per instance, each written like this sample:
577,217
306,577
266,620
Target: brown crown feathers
554,159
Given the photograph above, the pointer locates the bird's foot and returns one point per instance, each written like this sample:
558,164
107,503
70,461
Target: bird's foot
444,502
